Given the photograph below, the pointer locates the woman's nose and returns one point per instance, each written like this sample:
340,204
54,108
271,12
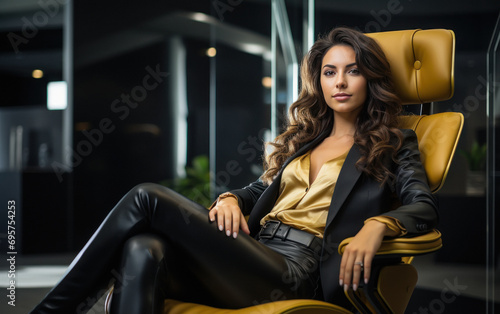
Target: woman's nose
341,82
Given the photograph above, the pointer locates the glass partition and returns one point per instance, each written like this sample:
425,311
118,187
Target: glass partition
240,83
268,52
493,163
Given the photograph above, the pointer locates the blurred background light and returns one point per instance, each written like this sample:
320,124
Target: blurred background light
211,52
37,73
57,95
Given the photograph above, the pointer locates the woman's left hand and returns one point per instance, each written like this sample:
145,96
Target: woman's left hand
358,254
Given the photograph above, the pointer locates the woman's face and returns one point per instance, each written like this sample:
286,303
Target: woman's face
344,88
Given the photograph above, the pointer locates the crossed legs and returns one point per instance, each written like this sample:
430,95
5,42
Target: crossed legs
197,262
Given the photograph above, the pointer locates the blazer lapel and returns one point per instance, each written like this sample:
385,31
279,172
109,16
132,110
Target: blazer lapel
345,183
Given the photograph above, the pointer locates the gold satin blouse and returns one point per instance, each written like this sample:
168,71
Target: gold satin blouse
305,206
302,205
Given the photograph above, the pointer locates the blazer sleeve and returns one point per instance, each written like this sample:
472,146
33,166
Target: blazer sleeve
418,210
248,196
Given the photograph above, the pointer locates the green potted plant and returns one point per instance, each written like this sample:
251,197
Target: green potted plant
195,185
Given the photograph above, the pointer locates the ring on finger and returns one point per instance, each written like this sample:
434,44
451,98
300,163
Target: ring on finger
359,263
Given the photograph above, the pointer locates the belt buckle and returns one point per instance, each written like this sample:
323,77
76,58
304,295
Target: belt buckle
274,224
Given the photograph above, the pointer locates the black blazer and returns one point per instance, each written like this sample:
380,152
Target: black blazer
356,197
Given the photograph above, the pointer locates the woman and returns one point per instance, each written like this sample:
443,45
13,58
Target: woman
334,173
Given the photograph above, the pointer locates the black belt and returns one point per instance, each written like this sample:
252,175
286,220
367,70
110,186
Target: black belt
276,229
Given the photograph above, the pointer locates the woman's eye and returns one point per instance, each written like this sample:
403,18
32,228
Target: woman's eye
329,73
354,71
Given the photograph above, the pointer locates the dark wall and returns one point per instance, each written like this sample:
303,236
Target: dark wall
242,116
139,146
123,131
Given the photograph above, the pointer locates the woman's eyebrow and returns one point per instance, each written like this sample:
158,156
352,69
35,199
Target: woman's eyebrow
334,67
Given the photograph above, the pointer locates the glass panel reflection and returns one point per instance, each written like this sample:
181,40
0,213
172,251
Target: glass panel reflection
493,164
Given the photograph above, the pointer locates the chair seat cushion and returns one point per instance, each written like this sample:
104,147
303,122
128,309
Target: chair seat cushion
286,306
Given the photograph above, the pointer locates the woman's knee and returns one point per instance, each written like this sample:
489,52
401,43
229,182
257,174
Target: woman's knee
146,189
146,245
152,193
147,195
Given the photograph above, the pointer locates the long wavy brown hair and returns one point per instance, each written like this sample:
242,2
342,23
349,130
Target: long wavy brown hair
376,133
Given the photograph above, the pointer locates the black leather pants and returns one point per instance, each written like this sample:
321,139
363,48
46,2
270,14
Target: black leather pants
139,288
194,261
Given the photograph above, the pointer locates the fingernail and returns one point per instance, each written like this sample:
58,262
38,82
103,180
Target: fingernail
345,287
341,282
235,235
354,287
221,227
228,233
366,281
212,219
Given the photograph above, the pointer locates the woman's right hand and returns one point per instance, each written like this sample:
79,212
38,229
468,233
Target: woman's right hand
229,217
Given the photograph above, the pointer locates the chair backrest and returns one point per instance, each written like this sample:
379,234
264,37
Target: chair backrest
422,65
438,136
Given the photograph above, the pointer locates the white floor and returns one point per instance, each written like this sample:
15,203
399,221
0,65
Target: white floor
33,276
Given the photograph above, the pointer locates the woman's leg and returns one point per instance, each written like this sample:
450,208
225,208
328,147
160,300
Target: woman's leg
138,291
229,272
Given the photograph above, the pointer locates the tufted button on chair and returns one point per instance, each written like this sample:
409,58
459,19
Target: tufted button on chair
422,64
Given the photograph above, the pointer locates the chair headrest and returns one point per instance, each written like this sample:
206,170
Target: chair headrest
421,62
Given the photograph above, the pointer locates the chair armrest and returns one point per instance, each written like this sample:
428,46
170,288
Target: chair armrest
406,246
393,278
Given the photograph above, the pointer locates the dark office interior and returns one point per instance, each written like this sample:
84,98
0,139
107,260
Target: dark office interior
146,99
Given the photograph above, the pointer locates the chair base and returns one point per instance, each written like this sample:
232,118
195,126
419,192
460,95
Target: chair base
386,295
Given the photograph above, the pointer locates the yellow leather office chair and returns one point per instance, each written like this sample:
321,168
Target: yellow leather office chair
422,67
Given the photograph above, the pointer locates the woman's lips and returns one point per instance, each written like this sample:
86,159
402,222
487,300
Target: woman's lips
341,96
